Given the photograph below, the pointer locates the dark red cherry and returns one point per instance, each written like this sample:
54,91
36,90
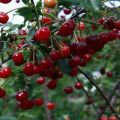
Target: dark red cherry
55,55
5,72
81,26
52,84
26,104
3,18
74,71
87,57
43,34
65,51
2,93
68,90
78,85
67,28
21,96
22,32
28,69
51,105
18,58
109,74
66,11
40,80
5,1
36,69
38,102
74,61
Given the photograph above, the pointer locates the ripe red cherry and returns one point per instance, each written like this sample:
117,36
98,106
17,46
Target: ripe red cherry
18,58
67,28
81,26
21,96
28,69
104,117
46,20
5,72
78,85
42,34
51,106
68,90
101,20
65,51
87,57
113,117
109,74
5,1
74,71
52,84
26,104
36,69
55,55
74,62
38,102
2,93
40,80
22,32
67,11
3,18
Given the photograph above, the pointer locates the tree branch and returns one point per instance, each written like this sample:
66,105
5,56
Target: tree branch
100,91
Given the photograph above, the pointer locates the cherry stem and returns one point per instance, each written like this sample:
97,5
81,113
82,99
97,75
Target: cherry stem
100,91
36,13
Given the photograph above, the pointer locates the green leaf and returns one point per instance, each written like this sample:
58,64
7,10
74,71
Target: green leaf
31,33
25,1
65,66
39,4
26,12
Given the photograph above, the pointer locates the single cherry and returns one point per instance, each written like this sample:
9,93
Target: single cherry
40,80
113,117
38,102
3,18
21,96
2,93
78,85
18,58
109,74
51,105
65,51
42,34
68,90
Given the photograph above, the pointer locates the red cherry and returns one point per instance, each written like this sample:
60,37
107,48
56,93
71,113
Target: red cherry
104,37
109,24
112,35
26,104
118,25
2,93
3,18
22,32
67,11
5,72
55,55
101,20
113,117
65,51
87,57
28,69
18,58
38,102
78,85
51,106
40,80
36,69
104,117
74,71
5,1
22,42
109,74
21,96
46,20
68,90
42,34
81,26
74,61
67,28
52,84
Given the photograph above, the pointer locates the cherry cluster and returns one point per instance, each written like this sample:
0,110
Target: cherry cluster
75,53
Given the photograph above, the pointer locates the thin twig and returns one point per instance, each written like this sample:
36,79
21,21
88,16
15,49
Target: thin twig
100,91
